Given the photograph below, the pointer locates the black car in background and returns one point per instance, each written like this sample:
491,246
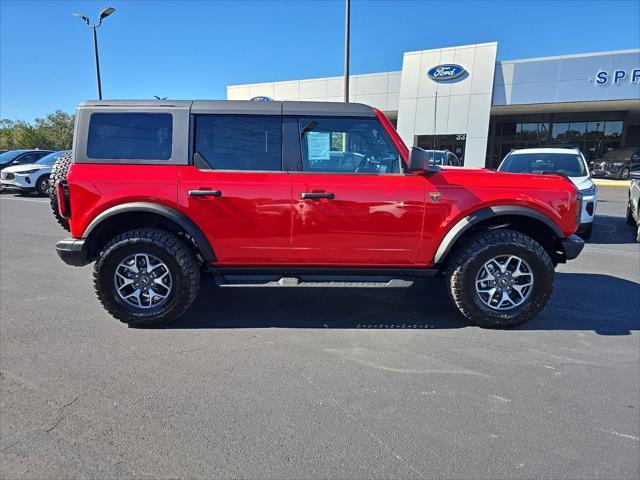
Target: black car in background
617,163
18,157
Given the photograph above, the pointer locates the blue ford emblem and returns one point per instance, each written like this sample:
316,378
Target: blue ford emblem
262,99
445,73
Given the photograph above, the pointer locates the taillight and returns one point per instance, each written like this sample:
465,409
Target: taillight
61,192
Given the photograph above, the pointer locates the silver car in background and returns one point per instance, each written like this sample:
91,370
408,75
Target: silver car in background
559,161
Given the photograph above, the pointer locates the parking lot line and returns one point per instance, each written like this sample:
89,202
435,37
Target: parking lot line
37,200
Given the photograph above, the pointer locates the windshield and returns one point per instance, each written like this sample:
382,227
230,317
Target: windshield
620,154
439,157
569,164
51,158
6,157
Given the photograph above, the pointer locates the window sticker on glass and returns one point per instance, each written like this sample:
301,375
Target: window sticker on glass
318,144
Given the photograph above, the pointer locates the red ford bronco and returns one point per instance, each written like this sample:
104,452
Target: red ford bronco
296,194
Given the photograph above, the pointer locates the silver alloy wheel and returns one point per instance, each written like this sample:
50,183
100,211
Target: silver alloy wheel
45,185
504,282
143,281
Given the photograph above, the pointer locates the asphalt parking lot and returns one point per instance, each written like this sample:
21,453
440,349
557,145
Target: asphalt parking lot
317,383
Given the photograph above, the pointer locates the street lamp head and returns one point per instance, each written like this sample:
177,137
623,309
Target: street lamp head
82,17
106,12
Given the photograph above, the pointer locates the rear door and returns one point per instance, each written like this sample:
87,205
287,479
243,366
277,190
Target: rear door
352,203
236,190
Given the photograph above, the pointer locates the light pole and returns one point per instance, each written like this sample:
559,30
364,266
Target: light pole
347,14
103,14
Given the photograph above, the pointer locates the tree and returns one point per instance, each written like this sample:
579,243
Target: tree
55,132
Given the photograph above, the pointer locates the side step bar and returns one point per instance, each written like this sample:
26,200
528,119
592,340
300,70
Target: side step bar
318,277
310,281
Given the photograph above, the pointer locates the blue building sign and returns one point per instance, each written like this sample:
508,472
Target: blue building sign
446,73
617,76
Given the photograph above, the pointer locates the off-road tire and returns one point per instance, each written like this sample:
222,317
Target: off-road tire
59,172
166,246
468,258
40,187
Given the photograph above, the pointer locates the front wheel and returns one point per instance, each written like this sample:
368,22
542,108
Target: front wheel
42,186
629,215
624,175
146,277
500,278
586,232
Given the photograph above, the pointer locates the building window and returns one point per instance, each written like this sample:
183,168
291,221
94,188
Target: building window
594,134
241,142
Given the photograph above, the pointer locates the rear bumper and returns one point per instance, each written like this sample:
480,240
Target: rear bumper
572,246
73,251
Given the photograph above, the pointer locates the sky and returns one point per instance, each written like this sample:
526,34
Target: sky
187,50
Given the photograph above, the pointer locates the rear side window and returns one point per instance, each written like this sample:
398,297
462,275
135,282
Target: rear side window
239,142
135,136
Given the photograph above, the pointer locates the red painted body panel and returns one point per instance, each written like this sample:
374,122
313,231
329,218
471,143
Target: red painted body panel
250,223
374,220
94,188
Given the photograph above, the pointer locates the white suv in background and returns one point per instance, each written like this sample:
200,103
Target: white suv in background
30,177
562,161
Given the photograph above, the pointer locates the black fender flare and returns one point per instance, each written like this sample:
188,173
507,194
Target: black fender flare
188,225
470,220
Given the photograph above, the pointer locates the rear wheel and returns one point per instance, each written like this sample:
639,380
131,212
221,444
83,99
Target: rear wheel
146,277
58,172
500,278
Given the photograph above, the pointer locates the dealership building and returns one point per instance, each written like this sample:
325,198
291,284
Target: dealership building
461,99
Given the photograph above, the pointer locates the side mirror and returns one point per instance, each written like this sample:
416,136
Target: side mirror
419,162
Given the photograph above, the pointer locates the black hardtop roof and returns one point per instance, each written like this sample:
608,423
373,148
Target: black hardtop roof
246,107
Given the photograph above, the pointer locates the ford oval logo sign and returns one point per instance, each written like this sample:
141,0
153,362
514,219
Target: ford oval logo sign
262,98
445,73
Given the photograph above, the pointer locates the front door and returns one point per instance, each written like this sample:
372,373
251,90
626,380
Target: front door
236,190
352,205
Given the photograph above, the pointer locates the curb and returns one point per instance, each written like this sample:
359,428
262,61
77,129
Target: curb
612,183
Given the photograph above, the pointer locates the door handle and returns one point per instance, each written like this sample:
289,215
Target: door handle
205,193
316,195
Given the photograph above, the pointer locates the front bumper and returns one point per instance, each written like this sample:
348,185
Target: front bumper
572,246
589,205
611,171
73,251
12,185
18,181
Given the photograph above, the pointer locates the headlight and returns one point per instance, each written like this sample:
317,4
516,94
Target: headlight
27,172
587,192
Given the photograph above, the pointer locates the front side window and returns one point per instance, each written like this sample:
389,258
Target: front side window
347,145
130,136
239,142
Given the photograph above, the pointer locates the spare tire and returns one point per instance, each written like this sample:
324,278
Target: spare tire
59,172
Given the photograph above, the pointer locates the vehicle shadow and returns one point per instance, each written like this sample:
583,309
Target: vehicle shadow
609,229
604,304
